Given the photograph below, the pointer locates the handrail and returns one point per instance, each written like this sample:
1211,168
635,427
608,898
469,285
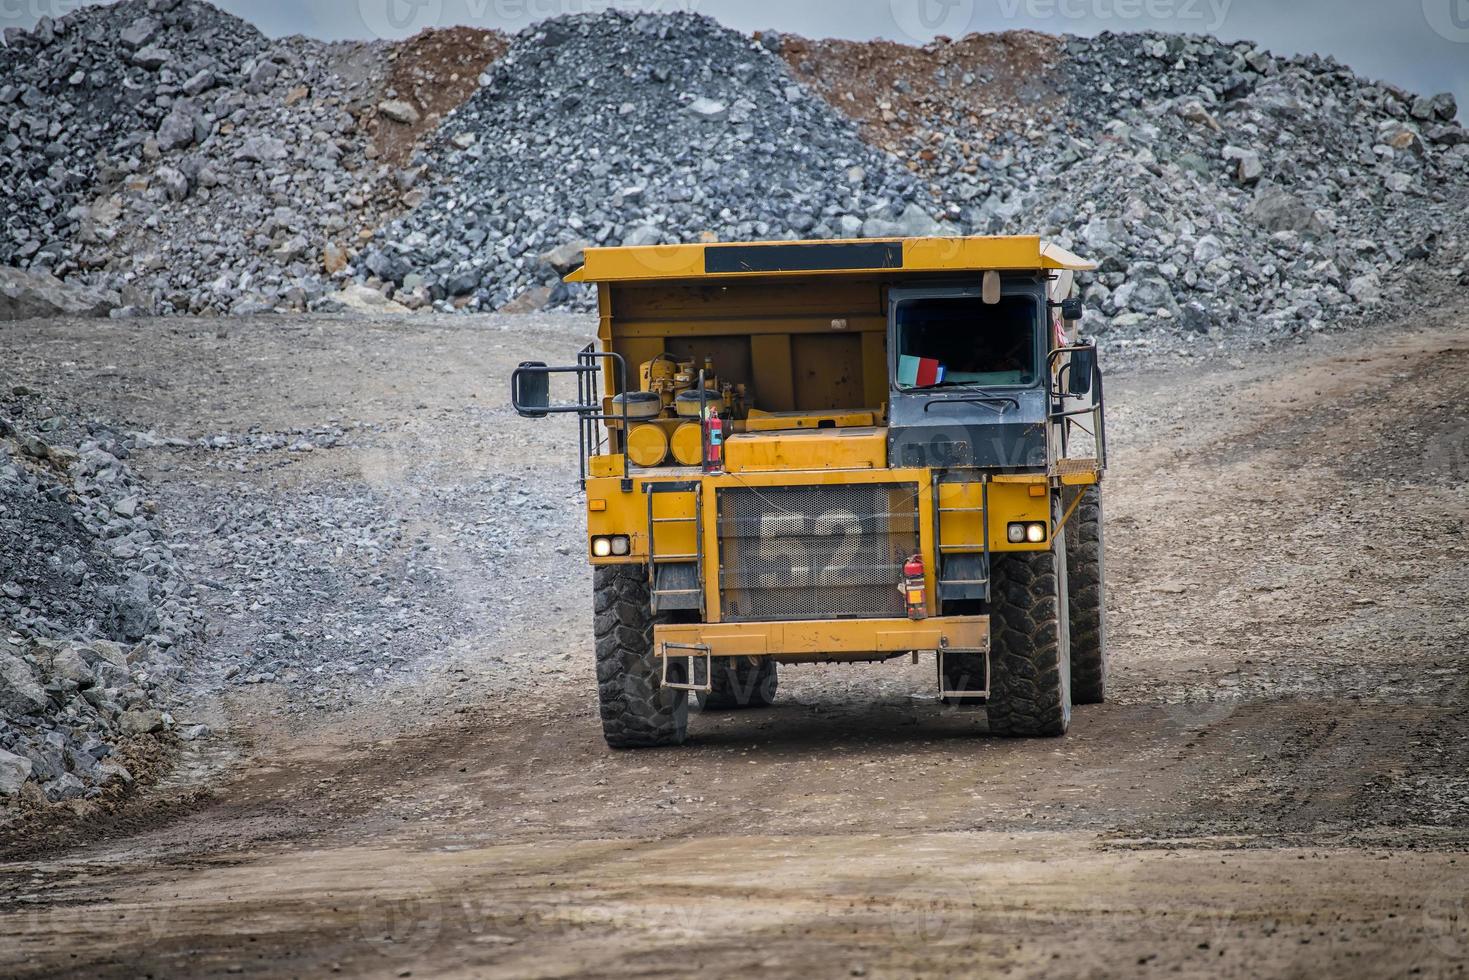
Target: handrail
703,424
588,408
1057,411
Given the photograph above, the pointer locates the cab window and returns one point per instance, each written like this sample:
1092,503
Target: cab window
959,340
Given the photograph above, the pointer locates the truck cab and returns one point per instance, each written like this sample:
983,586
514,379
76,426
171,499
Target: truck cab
799,452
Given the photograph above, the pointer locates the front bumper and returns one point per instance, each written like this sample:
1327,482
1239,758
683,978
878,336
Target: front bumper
830,640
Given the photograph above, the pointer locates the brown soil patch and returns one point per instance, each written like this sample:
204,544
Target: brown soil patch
910,101
435,71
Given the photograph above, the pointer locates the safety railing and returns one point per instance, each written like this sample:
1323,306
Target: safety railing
530,395
1079,377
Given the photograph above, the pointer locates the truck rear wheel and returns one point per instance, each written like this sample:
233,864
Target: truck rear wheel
739,682
1030,661
637,712
1088,595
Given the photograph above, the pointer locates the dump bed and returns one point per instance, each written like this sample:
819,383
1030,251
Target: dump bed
803,325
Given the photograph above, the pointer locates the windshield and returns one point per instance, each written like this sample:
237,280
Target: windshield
944,341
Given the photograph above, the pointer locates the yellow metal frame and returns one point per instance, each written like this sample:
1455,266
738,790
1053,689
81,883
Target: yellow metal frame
787,478
1002,253
610,510
667,294
795,641
758,421
807,449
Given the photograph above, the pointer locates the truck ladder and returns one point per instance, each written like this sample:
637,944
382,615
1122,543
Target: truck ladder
963,547
696,558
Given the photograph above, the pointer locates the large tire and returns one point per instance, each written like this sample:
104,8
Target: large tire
637,712
739,682
1030,663
1086,586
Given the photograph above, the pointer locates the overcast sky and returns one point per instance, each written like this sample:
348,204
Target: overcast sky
1422,45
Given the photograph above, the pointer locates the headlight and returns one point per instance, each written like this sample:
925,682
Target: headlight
1035,532
602,547
621,546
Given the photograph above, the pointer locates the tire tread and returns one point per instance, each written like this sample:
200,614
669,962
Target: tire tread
637,712
1029,687
1087,593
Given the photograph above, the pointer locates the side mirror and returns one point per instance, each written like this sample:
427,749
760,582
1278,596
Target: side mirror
1071,309
1083,366
530,389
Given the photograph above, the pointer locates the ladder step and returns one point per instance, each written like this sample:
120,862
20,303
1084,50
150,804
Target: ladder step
657,559
689,651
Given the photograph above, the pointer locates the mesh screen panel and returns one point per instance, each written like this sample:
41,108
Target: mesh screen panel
829,552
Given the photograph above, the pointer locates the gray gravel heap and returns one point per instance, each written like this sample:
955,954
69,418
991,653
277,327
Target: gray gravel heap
1225,189
96,617
199,167
81,96
623,129
262,212
176,159
1222,188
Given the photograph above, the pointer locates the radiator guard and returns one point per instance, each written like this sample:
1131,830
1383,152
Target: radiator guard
815,552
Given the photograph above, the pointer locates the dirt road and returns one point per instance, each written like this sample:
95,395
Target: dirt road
1280,785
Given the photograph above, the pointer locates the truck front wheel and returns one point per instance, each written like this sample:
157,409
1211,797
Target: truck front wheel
1030,658
637,712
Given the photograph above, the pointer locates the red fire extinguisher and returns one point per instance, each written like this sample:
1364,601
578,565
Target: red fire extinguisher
913,588
714,443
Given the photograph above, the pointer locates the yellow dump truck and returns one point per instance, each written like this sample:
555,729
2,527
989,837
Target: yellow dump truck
818,452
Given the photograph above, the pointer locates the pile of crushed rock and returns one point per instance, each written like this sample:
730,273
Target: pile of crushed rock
178,161
1224,190
97,619
169,158
632,129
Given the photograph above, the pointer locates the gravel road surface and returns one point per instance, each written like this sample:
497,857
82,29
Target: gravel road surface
407,772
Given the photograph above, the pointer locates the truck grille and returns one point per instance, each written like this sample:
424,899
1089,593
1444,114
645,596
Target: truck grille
824,552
